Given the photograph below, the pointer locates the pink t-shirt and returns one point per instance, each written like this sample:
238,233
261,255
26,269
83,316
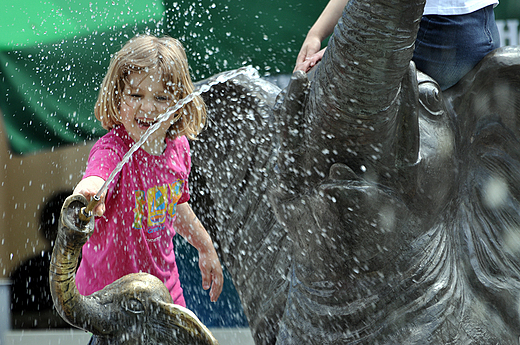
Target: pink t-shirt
135,233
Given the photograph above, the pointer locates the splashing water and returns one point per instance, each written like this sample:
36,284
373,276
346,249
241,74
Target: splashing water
221,78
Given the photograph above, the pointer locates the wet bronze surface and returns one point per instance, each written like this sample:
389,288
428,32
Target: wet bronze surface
370,206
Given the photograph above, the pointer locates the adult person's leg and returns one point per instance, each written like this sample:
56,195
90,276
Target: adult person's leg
448,47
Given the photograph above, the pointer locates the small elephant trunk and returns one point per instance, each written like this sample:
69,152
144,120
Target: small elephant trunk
72,235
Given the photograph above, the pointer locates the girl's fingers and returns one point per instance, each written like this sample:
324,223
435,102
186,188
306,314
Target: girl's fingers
216,288
206,283
206,274
100,209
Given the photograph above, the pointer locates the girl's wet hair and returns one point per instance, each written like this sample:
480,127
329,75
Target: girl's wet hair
142,54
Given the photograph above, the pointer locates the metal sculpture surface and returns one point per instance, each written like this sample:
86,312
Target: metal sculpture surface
364,206
370,207
135,309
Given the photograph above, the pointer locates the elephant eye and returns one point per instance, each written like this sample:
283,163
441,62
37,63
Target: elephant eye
430,98
134,306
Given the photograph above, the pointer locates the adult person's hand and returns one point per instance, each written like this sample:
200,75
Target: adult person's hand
309,55
310,52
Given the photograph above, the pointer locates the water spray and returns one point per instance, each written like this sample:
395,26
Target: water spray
86,212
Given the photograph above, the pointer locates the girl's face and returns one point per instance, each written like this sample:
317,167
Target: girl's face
144,100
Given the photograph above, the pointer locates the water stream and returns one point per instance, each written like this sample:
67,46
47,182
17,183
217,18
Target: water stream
221,78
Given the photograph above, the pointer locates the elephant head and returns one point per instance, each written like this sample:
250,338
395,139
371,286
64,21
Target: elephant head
365,205
135,309
378,188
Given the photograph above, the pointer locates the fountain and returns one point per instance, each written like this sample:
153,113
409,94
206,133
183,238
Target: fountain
364,205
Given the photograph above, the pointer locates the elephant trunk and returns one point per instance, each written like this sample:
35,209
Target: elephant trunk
72,235
354,107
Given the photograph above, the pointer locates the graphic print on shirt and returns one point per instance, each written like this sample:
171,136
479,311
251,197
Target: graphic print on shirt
156,198
156,206
139,209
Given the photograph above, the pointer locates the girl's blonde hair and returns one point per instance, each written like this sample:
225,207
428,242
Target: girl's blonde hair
143,53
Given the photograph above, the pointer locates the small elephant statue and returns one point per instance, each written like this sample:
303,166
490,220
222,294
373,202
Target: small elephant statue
135,309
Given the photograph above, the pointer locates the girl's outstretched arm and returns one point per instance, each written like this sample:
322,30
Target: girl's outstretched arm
189,226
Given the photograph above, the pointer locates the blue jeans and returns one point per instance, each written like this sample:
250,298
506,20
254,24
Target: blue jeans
448,47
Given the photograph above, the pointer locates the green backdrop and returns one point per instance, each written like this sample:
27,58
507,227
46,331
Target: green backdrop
507,9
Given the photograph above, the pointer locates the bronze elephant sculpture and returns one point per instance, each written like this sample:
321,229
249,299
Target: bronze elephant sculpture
363,205
135,309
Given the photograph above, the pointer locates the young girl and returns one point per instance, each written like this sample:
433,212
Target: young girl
147,203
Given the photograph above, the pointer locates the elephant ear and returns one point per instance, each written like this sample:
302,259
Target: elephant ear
492,87
487,106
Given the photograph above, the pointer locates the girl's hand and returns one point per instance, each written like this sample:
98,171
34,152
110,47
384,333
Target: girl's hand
189,226
211,271
89,187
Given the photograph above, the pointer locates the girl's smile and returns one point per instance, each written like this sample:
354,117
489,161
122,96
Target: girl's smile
144,100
